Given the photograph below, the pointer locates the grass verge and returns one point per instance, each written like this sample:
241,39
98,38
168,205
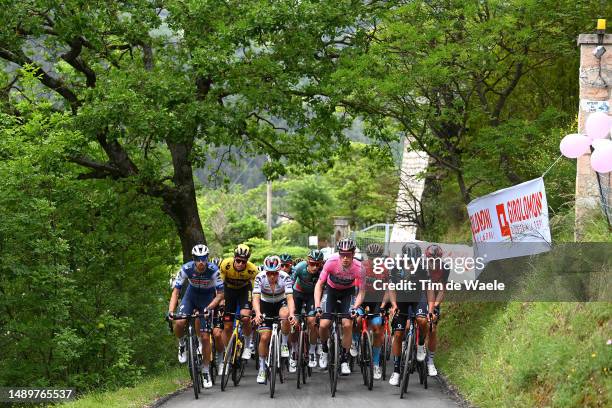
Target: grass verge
142,394
528,354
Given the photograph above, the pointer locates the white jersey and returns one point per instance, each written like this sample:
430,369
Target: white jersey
278,293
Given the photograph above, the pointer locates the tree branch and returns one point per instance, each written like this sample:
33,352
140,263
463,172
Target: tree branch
57,85
72,57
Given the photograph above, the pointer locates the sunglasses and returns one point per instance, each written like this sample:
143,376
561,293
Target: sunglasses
271,272
346,254
314,263
286,265
240,261
203,259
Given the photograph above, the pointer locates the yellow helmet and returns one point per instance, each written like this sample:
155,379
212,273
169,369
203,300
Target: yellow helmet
242,251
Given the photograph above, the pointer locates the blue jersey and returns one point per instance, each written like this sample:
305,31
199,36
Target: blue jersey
207,282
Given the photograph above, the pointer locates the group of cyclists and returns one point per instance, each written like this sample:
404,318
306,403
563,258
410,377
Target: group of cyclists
314,289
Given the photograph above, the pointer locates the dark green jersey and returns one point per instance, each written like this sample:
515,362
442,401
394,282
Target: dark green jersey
304,281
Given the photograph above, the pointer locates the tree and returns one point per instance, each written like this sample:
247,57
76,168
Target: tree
365,185
152,86
74,260
447,74
309,202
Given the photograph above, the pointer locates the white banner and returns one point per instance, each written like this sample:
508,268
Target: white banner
517,214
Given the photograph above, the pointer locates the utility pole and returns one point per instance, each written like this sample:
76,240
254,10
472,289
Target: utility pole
269,206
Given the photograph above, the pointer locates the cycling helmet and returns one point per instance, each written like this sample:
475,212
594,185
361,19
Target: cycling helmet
298,260
316,255
412,250
286,258
216,261
272,263
242,251
346,245
375,250
433,251
199,250
260,268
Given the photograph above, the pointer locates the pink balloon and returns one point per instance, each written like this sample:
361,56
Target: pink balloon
574,145
600,142
598,125
601,158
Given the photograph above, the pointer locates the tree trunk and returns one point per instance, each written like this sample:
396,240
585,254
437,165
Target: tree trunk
181,206
465,194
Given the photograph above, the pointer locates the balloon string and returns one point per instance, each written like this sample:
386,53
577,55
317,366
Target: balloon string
551,166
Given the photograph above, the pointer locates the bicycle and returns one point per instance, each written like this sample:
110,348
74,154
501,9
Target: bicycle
303,369
333,365
232,361
366,362
214,368
194,358
385,354
422,365
409,363
273,362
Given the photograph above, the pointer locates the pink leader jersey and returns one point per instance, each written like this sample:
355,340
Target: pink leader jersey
339,278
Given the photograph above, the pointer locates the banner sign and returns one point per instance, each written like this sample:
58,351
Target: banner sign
514,214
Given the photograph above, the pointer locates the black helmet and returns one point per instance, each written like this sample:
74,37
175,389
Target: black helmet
412,250
316,255
434,251
375,250
242,251
286,258
346,245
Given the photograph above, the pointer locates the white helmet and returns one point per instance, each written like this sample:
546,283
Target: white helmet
199,250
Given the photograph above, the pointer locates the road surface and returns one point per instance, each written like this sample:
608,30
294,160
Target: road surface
315,394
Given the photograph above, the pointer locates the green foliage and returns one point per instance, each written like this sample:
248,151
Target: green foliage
83,267
260,248
242,228
310,203
362,184
144,393
292,232
524,354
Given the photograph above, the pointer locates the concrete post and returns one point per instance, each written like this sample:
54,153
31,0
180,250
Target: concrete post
595,85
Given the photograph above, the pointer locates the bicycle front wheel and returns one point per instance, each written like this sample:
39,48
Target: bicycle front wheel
228,362
407,366
366,361
305,357
336,367
239,364
383,357
193,365
273,364
300,360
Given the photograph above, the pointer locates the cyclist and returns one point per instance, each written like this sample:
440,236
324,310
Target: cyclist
341,273
272,296
408,305
238,275
375,324
216,261
305,277
287,263
438,273
203,294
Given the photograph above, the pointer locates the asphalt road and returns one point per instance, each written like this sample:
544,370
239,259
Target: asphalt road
350,393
